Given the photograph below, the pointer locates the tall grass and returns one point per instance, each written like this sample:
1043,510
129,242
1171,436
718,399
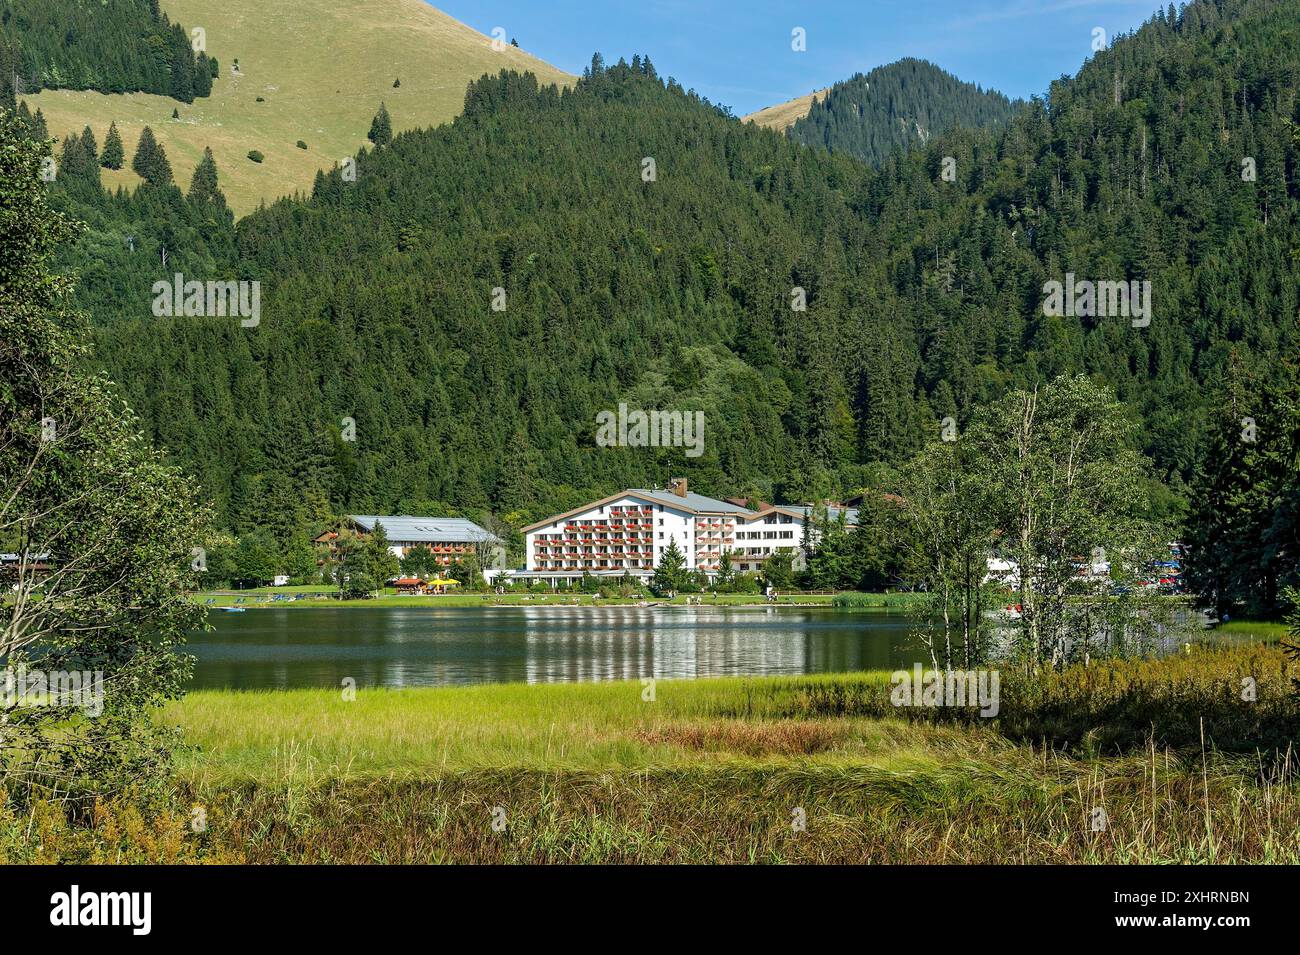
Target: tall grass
1182,766
858,599
1023,807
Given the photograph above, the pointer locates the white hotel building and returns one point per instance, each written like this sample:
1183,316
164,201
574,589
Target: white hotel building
626,533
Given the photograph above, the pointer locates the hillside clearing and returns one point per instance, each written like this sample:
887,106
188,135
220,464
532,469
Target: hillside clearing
325,95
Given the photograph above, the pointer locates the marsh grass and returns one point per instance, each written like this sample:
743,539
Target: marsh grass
1181,767
1027,807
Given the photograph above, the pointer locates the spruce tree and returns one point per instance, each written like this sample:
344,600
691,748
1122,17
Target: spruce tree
89,146
111,157
671,574
150,162
381,128
77,162
203,186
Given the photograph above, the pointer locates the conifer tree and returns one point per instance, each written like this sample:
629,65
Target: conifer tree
670,575
150,162
111,157
381,127
89,146
203,186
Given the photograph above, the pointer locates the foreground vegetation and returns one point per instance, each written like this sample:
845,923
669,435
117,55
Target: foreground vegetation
1183,769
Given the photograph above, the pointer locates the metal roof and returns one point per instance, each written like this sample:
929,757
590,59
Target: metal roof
404,527
832,513
691,501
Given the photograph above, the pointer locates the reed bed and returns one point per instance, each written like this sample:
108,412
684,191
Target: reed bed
1135,762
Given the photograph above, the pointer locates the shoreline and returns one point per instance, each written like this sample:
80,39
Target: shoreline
261,600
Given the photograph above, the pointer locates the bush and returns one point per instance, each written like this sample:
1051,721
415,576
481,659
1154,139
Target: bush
301,144
256,156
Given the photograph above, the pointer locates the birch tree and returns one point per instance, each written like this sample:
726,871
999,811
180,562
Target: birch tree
1067,488
101,529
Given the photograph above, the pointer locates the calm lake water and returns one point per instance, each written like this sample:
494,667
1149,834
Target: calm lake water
416,646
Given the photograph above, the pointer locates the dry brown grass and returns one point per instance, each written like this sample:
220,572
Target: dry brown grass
786,738
784,115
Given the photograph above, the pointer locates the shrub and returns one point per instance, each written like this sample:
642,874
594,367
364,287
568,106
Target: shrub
256,156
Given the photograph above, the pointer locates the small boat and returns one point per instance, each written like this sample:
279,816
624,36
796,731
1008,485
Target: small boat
230,609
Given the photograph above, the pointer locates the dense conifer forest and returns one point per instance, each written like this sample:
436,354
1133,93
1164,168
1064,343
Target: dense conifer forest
1170,158
896,107
114,46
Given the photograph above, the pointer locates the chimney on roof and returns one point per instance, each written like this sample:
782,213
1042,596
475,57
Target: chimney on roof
677,486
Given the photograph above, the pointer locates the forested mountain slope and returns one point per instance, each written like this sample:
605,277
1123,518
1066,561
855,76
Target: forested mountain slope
924,295
897,107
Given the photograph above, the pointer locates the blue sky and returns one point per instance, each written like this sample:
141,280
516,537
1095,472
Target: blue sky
738,52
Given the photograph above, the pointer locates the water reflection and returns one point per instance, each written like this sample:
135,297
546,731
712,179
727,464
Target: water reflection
398,647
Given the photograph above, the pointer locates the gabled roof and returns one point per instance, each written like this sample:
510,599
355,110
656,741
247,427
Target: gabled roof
695,503
439,530
691,502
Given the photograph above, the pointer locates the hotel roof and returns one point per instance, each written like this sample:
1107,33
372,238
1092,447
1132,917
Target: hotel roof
832,513
691,501
423,529
696,503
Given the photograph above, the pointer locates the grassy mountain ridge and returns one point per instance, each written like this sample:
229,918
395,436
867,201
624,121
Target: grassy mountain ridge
784,115
321,70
